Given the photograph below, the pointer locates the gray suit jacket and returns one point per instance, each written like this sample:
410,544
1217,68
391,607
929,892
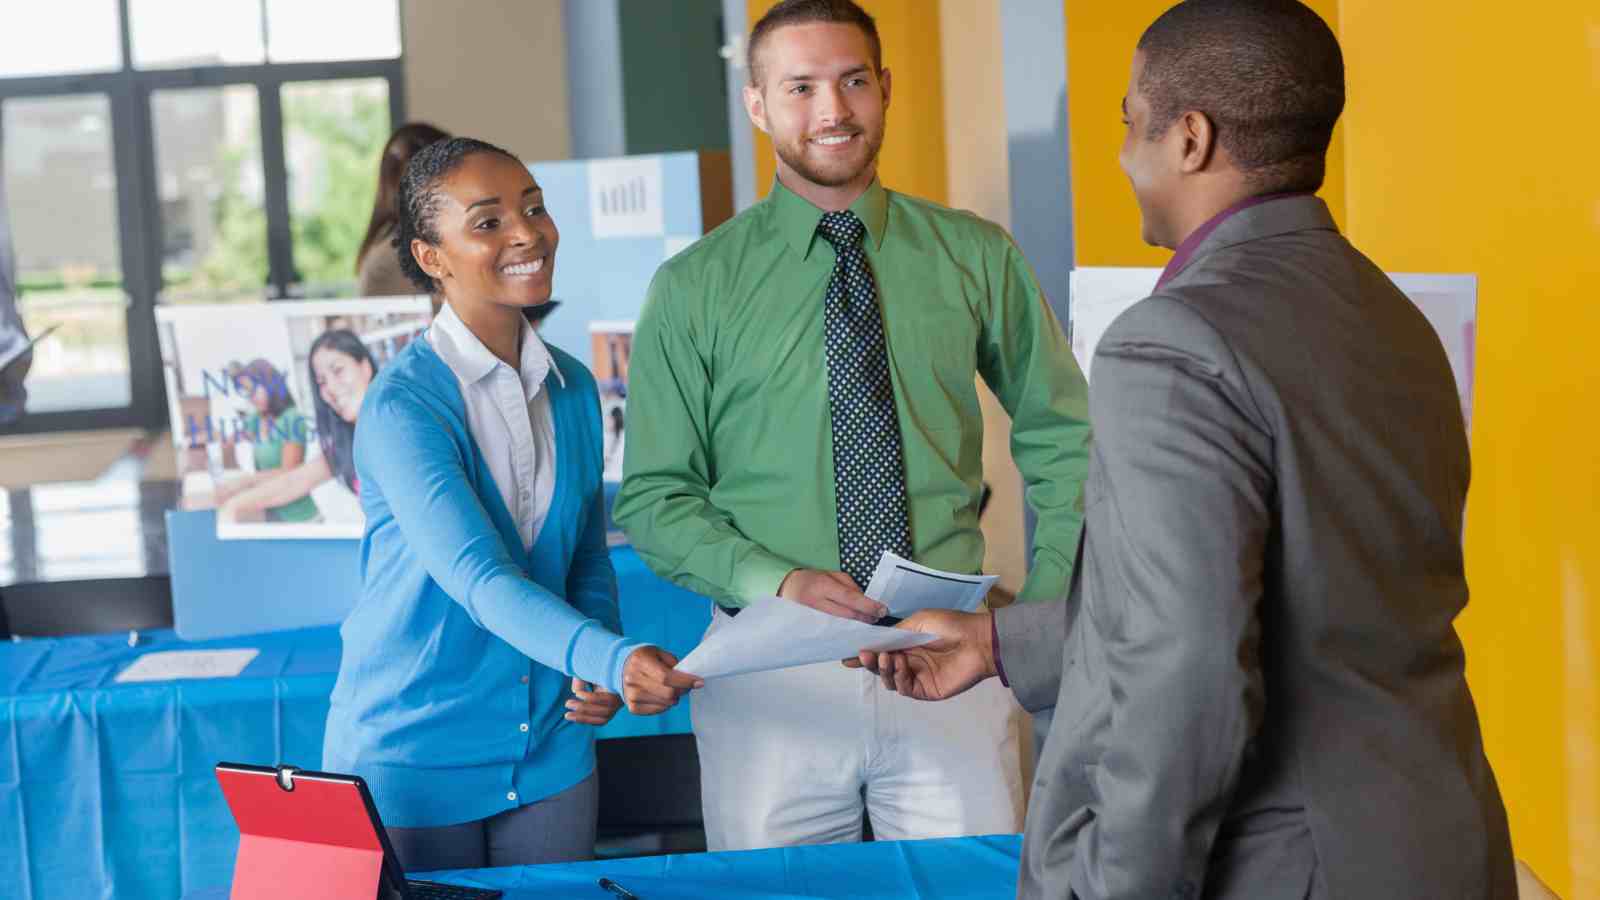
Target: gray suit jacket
1258,688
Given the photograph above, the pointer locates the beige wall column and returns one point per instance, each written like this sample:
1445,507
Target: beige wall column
490,69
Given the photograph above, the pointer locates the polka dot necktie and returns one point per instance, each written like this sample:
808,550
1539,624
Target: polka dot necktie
868,468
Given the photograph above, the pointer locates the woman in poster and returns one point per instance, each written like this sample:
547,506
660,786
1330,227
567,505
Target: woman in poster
341,368
276,433
486,642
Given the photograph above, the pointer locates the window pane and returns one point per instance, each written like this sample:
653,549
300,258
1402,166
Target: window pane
320,31
334,132
58,37
209,180
176,33
61,188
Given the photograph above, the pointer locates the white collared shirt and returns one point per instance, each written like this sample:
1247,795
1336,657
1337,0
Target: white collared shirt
508,413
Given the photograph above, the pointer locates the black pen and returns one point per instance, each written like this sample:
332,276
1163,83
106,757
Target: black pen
618,889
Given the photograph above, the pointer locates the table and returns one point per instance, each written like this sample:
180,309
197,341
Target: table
976,868
105,784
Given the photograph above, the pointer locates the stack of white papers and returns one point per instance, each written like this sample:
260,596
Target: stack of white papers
773,633
906,587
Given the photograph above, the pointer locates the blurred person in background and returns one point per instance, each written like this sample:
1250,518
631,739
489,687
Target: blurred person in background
378,271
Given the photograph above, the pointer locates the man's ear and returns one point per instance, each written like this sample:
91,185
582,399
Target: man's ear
1199,141
884,83
429,258
755,106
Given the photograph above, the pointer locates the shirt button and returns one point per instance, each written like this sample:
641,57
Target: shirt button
524,679
511,795
524,727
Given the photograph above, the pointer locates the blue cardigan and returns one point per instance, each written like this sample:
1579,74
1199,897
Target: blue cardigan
458,655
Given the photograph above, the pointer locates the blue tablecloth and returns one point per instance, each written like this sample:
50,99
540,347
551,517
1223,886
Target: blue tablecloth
980,868
107,789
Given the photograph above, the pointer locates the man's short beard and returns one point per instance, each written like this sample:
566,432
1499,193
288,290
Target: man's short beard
797,162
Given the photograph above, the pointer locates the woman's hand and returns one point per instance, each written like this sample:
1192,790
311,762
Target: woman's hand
591,705
651,685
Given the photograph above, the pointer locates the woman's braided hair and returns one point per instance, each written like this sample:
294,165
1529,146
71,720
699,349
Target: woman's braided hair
419,198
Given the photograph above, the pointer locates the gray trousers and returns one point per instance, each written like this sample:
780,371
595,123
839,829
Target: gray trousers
559,828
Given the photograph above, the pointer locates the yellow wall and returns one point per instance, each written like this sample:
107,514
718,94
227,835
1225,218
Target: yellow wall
1471,147
1468,146
1100,43
913,157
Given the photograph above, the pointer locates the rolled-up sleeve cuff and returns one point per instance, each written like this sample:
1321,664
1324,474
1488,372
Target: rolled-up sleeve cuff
759,576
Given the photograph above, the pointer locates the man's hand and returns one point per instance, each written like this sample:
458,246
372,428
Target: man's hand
649,683
834,593
591,705
962,657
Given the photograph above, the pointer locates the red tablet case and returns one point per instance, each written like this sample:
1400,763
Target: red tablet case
314,842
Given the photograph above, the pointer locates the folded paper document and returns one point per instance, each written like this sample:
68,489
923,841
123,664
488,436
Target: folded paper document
773,633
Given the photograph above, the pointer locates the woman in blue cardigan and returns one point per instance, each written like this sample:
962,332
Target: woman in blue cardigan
486,642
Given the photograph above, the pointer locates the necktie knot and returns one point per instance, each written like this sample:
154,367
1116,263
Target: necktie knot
841,229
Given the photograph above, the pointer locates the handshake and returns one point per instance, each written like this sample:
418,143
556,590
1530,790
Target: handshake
962,656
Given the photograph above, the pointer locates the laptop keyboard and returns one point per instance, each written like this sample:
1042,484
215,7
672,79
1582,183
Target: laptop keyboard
433,890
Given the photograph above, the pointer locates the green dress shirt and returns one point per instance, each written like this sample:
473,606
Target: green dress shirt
728,478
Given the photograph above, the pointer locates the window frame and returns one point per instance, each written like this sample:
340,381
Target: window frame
130,93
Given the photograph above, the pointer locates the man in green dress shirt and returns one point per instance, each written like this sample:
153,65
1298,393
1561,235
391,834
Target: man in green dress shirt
803,399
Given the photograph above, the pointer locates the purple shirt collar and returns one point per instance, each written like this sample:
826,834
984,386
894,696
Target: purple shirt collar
1185,251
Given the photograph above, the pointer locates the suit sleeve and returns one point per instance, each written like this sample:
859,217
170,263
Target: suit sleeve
1188,488
1032,648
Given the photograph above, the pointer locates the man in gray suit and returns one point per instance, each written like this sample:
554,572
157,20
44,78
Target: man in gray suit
1258,688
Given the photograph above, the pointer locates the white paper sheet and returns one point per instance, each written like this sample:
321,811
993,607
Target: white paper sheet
1450,303
906,587
168,665
1099,295
773,633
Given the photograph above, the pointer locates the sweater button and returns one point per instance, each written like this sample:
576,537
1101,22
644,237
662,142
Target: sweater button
524,727
511,795
524,679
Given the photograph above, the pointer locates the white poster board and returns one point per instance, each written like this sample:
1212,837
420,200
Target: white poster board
1450,303
251,388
